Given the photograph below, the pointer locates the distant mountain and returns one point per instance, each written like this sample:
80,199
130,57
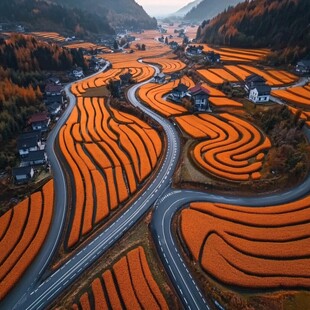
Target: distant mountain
120,13
208,9
43,15
183,11
282,25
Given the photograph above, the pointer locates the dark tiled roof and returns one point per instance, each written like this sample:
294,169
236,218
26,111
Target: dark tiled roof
263,89
20,171
34,156
39,117
52,88
254,78
181,88
23,143
197,89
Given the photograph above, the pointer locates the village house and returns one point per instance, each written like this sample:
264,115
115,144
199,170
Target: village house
253,81
212,57
303,66
22,174
200,98
194,50
52,89
39,121
260,93
29,142
179,92
160,78
54,108
34,159
78,73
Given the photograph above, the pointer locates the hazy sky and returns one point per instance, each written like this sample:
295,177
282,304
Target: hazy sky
162,7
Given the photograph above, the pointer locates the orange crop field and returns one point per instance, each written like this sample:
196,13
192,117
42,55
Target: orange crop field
231,146
109,153
168,65
283,76
153,95
270,80
300,91
237,54
224,75
49,36
242,74
130,283
23,230
290,96
250,247
218,102
211,77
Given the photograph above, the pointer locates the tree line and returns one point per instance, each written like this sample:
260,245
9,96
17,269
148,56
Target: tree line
282,25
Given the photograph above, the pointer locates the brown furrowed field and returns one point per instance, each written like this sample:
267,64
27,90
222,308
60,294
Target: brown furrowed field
23,230
254,248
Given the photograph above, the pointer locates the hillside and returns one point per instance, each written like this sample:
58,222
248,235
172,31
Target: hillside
282,25
120,13
46,16
23,60
184,10
208,9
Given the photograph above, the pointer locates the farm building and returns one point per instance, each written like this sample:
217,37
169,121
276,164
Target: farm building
260,93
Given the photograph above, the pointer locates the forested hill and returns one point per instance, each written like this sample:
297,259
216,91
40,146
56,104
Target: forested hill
23,61
40,15
208,9
183,11
120,13
282,25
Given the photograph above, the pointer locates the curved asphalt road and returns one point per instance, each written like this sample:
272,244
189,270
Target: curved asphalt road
43,294
35,271
173,201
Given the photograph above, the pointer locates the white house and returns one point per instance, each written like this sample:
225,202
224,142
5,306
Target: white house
200,98
78,73
28,142
260,94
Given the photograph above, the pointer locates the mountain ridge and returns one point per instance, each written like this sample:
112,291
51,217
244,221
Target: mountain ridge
208,9
120,13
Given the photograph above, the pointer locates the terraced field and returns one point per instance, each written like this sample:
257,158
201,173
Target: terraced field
237,54
110,153
140,72
273,77
168,65
23,230
154,96
232,149
254,248
128,285
54,36
299,95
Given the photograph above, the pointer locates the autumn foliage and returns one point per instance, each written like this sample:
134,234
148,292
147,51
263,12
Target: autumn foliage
22,232
250,247
129,284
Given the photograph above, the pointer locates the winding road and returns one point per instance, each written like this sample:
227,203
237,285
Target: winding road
30,294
